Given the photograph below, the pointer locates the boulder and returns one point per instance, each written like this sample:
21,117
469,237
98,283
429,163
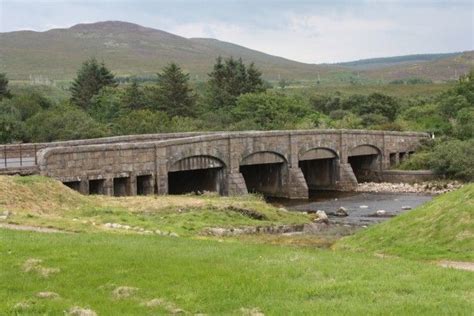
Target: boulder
342,212
321,217
381,212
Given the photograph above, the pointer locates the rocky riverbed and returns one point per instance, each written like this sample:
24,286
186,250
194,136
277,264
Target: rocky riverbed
432,187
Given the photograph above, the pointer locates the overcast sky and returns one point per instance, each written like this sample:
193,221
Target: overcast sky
307,31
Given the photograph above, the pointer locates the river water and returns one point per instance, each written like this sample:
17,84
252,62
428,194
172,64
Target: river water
361,207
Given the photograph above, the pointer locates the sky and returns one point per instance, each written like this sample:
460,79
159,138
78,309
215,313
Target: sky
306,31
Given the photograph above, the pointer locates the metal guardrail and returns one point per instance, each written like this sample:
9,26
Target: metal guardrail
17,156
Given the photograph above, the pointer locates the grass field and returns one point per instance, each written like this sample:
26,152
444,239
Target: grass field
211,277
121,272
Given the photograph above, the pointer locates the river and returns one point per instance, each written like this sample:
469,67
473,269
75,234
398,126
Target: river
361,207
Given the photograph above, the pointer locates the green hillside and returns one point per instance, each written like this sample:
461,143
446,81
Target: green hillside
439,229
440,69
375,63
128,49
131,49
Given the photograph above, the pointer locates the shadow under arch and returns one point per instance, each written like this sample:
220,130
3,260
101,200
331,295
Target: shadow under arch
366,162
198,173
265,172
320,167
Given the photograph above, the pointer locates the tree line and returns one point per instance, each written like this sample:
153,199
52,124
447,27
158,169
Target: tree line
235,97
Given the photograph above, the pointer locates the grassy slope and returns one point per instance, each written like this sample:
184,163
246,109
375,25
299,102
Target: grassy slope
442,228
220,278
129,49
43,201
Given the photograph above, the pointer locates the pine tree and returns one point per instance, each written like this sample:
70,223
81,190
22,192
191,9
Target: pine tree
134,98
255,82
91,77
229,80
174,96
4,91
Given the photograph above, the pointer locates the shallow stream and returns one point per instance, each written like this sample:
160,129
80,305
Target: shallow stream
361,207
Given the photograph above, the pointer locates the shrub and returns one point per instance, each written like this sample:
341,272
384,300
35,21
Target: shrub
454,159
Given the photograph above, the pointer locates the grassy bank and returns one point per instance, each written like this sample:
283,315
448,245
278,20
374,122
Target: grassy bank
40,201
442,228
97,270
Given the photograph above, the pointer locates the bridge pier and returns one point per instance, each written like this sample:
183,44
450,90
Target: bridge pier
236,184
297,187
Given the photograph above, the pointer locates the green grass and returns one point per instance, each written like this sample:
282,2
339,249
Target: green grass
202,276
227,276
442,228
40,201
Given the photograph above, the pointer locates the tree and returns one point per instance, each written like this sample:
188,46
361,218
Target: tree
230,79
173,94
4,91
91,78
255,82
11,126
63,122
264,111
141,122
133,97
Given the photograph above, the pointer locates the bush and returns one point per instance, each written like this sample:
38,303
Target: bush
454,159
63,122
270,110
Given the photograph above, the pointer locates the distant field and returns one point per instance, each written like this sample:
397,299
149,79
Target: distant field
395,90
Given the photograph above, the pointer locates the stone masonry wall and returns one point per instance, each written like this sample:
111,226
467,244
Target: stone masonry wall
84,162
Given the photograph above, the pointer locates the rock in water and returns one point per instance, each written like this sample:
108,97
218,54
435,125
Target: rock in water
322,217
342,211
363,206
381,212
406,207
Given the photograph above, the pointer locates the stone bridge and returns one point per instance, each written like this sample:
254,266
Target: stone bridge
275,163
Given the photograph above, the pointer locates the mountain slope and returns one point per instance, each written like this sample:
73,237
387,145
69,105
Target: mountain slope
128,49
131,49
447,68
376,63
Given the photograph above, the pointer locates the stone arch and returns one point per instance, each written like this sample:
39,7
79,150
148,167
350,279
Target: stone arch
364,149
197,173
318,153
265,172
196,162
320,167
366,162
263,157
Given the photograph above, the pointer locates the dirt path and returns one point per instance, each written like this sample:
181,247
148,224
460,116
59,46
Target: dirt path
460,265
31,228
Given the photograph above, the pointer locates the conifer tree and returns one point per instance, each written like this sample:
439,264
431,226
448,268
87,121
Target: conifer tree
174,96
91,77
4,91
230,79
134,98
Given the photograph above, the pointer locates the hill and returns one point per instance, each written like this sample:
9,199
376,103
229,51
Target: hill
129,49
438,69
376,63
439,229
